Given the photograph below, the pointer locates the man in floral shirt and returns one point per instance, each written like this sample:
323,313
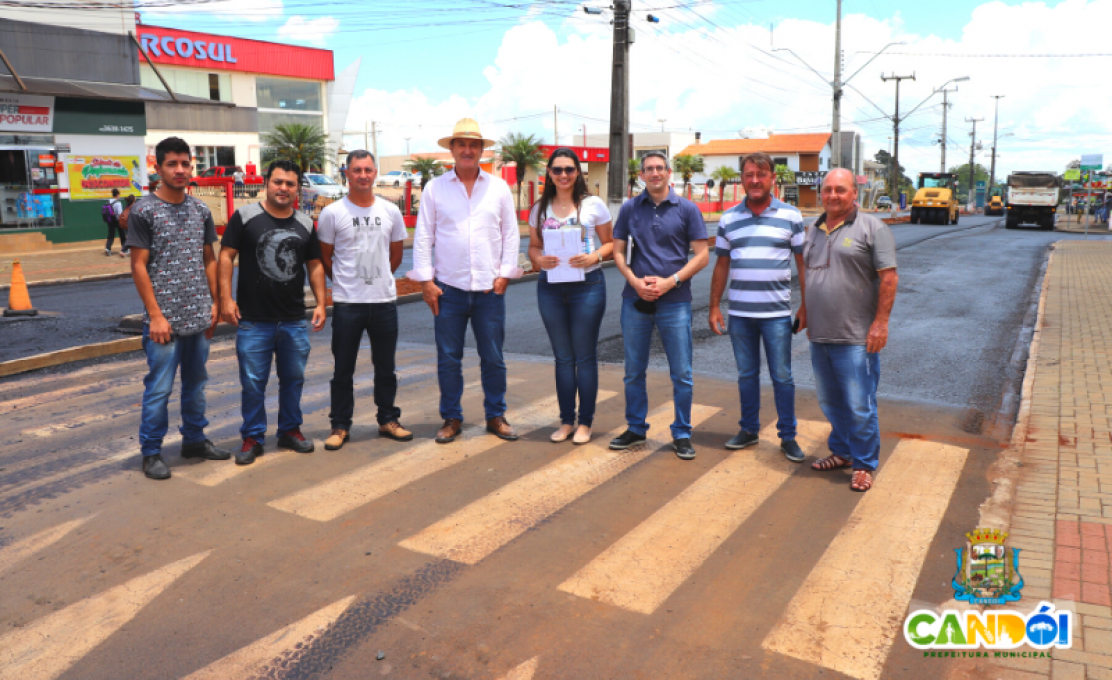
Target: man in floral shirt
170,235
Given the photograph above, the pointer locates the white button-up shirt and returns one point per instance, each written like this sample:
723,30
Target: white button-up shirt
476,237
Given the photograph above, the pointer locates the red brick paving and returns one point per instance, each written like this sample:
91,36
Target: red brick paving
1081,565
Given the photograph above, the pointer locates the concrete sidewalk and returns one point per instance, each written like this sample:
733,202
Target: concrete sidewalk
1062,509
72,262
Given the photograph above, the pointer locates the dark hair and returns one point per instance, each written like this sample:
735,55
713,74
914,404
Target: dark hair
170,145
288,166
115,193
129,200
359,154
655,154
759,159
578,191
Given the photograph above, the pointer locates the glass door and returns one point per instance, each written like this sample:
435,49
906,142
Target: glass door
28,184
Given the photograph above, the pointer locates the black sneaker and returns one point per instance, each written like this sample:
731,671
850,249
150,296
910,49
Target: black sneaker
204,449
683,448
742,440
251,450
155,468
295,441
791,450
625,440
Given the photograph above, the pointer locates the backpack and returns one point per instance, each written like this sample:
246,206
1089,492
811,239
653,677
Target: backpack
107,212
123,217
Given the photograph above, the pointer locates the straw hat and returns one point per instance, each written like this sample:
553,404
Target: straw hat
466,128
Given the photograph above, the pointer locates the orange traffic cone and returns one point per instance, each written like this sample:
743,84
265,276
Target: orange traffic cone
19,300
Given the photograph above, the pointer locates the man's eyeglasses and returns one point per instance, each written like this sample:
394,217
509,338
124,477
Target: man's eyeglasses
556,172
652,170
750,176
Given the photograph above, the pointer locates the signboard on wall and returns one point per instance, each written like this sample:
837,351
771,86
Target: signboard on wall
223,53
92,178
26,113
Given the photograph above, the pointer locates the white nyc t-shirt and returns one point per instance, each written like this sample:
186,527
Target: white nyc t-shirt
362,238
592,212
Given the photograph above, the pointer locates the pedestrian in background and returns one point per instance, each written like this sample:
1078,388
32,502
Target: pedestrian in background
572,311
361,245
756,242
129,201
851,286
111,215
469,215
275,245
170,236
659,228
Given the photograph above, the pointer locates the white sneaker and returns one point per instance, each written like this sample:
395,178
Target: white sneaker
107,252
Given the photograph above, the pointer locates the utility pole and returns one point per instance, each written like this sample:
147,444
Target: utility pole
555,127
407,146
618,173
661,121
374,140
995,119
836,125
945,108
366,139
972,148
894,191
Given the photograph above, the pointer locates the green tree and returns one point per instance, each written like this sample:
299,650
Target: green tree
525,152
685,165
723,175
784,175
980,174
303,144
426,167
634,174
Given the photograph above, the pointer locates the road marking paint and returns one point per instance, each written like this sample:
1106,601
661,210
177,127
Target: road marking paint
648,564
328,500
255,659
523,672
22,549
476,531
51,645
847,612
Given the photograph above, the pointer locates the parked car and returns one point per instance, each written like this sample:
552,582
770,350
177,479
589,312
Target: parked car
884,203
218,175
397,178
314,184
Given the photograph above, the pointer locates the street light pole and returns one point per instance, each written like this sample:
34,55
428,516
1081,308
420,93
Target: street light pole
995,120
972,148
945,108
836,125
896,138
618,172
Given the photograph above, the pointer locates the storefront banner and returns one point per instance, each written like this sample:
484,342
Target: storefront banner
94,177
222,53
26,113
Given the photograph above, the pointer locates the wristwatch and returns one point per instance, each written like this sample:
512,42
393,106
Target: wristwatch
676,278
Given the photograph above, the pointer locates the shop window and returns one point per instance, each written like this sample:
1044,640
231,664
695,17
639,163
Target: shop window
781,160
288,95
205,157
268,121
26,177
214,86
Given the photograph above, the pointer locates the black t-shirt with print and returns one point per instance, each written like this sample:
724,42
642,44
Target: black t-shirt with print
272,257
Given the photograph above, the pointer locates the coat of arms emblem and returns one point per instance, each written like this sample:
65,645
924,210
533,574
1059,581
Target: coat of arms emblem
988,570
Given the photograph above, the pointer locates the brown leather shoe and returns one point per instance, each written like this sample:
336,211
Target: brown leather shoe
392,430
336,440
500,427
448,433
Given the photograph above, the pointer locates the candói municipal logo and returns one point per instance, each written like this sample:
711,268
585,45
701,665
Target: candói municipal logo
988,570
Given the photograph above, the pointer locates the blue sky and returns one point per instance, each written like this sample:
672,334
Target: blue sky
707,66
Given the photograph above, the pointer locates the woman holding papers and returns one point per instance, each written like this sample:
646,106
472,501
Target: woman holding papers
571,292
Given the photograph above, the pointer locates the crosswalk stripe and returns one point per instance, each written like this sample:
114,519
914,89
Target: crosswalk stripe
49,646
328,500
255,659
848,611
476,531
22,549
523,672
648,564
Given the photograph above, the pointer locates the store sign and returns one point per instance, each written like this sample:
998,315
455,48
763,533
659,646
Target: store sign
222,53
1072,174
94,177
46,160
810,177
26,113
1092,161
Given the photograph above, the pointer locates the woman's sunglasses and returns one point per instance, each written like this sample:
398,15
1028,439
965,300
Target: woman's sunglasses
556,172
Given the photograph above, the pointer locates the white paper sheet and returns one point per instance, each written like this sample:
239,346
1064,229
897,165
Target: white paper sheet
564,244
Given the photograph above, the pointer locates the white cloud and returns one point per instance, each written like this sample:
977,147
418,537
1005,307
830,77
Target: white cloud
312,31
723,79
240,10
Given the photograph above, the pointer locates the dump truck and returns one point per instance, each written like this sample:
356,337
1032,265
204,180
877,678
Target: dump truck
1032,199
936,199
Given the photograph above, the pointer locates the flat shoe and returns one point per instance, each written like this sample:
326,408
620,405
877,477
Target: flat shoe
560,435
582,438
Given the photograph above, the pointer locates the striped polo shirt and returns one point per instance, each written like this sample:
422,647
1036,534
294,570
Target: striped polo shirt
760,251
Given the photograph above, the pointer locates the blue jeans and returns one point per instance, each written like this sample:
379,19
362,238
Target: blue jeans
846,378
191,353
572,314
257,342
746,334
487,314
379,320
673,321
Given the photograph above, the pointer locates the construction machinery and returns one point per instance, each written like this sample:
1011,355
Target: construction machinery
936,199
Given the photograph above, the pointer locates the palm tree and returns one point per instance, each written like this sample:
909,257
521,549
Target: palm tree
634,171
303,144
724,175
525,152
426,167
784,175
686,165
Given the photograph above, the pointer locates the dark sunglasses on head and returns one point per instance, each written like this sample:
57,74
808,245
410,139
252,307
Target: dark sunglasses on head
556,172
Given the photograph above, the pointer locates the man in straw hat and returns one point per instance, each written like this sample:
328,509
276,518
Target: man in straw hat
469,216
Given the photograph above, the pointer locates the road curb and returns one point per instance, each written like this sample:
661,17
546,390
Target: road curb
69,355
73,279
